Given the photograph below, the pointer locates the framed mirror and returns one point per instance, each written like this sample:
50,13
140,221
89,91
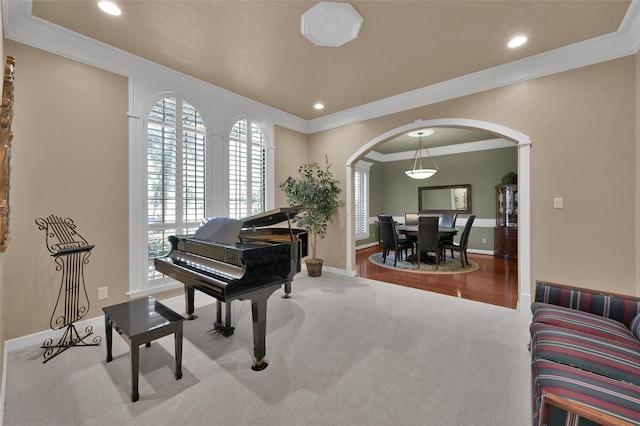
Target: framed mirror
444,199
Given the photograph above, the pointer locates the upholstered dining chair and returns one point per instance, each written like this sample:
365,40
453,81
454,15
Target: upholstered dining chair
411,219
462,245
390,239
428,240
448,221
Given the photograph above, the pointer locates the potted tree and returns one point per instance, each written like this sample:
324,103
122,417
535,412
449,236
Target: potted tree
316,191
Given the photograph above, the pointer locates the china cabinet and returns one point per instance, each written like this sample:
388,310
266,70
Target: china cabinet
506,230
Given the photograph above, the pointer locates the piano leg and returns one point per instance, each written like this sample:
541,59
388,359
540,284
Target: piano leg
189,296
259,317
287,290
225,328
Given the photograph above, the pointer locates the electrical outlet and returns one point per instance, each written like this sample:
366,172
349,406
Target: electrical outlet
103,293
484,241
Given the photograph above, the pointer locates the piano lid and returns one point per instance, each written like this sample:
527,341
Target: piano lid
223,230
272,217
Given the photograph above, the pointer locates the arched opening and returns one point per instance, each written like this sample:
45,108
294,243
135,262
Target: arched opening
524,190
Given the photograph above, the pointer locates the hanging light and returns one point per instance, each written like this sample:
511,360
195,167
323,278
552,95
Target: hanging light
417,171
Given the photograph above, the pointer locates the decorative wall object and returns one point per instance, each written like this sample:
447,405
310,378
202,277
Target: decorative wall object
6,116
444,199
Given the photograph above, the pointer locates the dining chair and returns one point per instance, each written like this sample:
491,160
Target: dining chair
448,221
462,245
428,239
411,219
390,239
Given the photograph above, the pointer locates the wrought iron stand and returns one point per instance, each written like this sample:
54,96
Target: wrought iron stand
70,252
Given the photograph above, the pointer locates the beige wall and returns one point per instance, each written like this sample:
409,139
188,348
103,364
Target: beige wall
637,174
582,126
70,158
71,153
291,151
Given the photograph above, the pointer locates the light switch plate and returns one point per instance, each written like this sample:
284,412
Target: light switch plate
558,203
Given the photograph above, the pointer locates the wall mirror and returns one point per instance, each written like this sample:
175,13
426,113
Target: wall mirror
444,199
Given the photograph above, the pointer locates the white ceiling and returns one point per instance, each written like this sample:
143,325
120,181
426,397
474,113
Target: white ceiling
255,48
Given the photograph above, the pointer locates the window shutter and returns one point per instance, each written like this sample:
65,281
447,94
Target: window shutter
361,198
176,175
247,170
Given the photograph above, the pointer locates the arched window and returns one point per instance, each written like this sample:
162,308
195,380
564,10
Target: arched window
247,170
176,175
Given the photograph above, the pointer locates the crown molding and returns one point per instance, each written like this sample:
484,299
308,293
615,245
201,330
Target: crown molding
20,25
631,24
600,49
439,151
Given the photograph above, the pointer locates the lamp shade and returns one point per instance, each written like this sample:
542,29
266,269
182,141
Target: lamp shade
421,173
417,171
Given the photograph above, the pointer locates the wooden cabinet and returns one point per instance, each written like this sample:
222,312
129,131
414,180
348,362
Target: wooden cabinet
506,230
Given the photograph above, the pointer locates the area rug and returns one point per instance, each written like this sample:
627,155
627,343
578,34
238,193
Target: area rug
450,266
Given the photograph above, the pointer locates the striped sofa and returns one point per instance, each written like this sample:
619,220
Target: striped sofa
585,357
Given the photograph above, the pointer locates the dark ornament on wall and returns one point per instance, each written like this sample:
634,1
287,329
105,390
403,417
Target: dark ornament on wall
6,117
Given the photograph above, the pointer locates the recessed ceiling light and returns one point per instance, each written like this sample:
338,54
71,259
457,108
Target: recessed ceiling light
319,106
517,41
110,8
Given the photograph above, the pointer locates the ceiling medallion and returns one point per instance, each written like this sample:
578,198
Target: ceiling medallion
331,23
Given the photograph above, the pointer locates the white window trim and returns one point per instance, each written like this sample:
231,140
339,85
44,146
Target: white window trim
139,284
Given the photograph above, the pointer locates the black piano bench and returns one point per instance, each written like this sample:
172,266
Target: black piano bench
140,321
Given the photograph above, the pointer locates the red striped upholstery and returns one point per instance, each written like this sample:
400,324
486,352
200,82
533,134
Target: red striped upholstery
617,360
617,398
581,321
635,326
617,307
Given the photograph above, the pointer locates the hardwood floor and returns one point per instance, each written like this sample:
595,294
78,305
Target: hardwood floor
495,281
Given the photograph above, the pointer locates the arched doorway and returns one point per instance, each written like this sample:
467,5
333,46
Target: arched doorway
524,190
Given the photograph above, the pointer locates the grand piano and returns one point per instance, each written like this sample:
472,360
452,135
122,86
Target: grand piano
245,259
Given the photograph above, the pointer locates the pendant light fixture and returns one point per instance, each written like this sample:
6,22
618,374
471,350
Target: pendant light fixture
417,171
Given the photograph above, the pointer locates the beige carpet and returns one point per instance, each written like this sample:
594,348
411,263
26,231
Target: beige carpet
341,351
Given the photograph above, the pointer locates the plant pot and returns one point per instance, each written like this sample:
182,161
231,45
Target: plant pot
314,267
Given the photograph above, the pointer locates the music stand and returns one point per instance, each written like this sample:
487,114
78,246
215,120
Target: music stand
70,252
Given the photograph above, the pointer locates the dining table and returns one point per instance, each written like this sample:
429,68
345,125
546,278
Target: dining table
412,231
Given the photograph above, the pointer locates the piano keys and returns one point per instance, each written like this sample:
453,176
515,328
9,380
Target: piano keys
238,260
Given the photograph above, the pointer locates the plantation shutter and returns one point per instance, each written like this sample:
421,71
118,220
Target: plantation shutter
176,175
247,170
361,196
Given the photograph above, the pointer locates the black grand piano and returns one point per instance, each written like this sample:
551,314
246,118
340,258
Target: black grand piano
245,259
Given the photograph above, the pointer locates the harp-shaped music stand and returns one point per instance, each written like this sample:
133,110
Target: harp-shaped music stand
70,252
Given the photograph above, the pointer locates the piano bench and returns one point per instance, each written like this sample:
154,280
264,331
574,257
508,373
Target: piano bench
139,322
